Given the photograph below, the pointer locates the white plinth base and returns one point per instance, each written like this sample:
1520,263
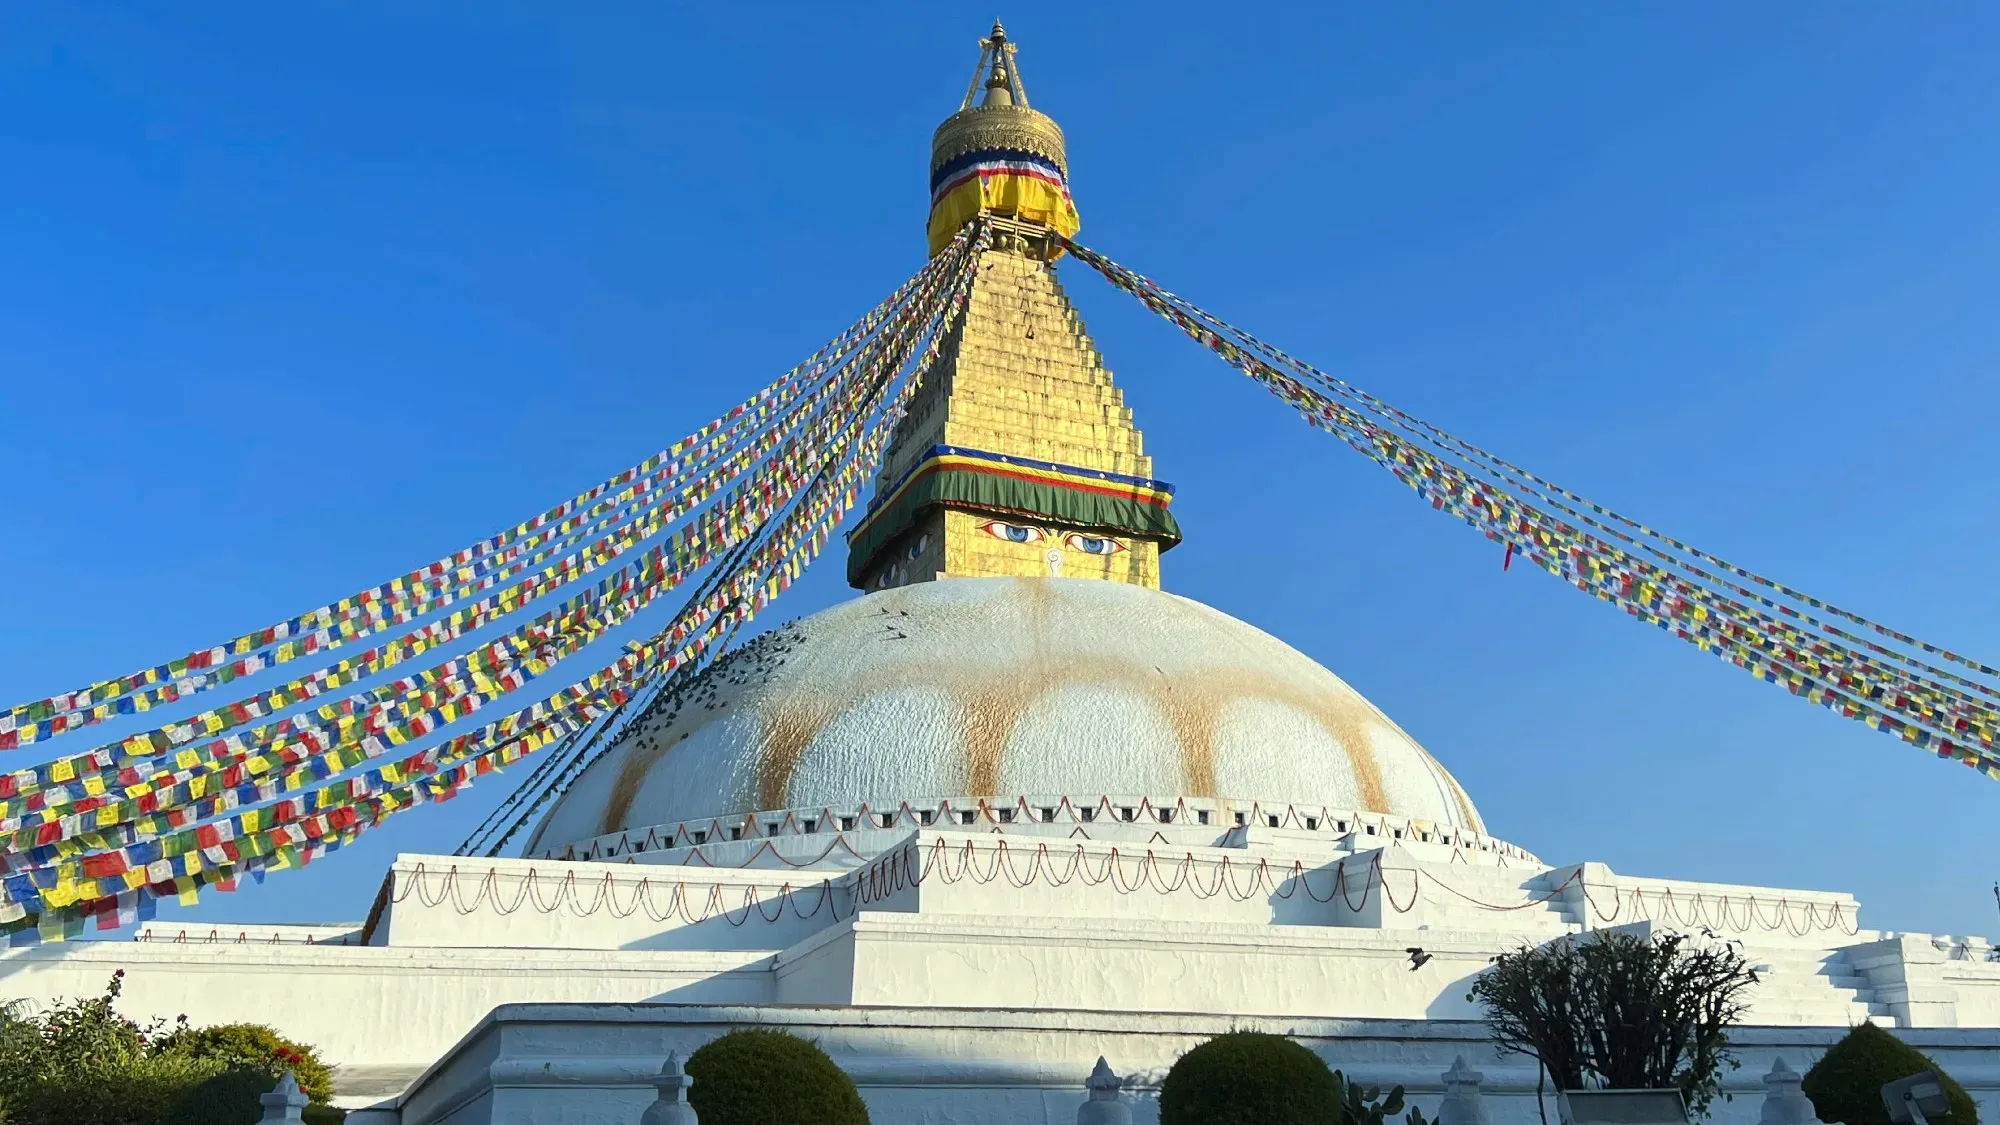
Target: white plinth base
940,950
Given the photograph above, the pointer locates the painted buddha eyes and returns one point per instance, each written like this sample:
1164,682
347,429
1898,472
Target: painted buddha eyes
1028,533
1011,532
1093,545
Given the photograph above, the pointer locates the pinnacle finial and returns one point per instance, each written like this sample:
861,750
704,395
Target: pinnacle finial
285,1103
1102,1077
999,85
1002,76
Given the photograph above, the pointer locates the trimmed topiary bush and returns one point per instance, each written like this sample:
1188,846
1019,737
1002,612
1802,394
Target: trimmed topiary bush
1845,1085
758,1077
1248,1078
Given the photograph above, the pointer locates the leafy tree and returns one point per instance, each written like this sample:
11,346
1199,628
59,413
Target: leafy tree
1845,1085
1618,1010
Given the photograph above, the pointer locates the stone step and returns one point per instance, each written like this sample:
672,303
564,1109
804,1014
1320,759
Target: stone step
1803,988
1792,957
1810,1015
1822,967
1526,923
1016,400
1884,1015
1071,361
976,369
1071,358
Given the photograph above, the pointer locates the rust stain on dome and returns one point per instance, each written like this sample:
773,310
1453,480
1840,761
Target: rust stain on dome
793,727
1045,638
632,772
992,699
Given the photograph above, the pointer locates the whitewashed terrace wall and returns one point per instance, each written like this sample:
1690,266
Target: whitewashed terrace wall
533,1064
380,1014
542,904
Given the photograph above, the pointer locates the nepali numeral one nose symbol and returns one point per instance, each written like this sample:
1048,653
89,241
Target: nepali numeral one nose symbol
1055,562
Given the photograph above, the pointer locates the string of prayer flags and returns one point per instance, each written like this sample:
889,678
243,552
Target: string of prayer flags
307,812
1898,693
38,720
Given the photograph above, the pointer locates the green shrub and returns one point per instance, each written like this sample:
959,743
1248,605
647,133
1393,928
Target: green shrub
70,1035
1249,1078
81,1063
142,1090
253,1046
232,1096
1845,1085
1367,1106
759,1077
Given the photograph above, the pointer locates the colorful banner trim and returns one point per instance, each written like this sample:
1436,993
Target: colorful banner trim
1089,499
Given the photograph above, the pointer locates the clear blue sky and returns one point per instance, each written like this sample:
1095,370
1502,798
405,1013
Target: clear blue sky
294,297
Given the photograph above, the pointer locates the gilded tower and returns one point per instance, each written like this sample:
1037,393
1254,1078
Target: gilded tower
1018,456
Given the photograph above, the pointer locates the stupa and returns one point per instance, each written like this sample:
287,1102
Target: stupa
1012,809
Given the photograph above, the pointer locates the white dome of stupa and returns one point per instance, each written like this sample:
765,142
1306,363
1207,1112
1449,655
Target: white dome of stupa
998,687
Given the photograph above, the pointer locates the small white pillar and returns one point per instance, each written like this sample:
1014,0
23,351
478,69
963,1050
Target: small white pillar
1785,1101
284,1103
1102,1105
1463,1103
671,1106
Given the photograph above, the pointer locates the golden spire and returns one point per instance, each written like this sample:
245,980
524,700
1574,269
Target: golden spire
998,157
1017,457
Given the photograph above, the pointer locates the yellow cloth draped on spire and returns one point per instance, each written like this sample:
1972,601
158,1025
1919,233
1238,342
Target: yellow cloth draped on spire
1011,182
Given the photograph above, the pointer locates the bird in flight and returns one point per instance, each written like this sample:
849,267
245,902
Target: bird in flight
1418,958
